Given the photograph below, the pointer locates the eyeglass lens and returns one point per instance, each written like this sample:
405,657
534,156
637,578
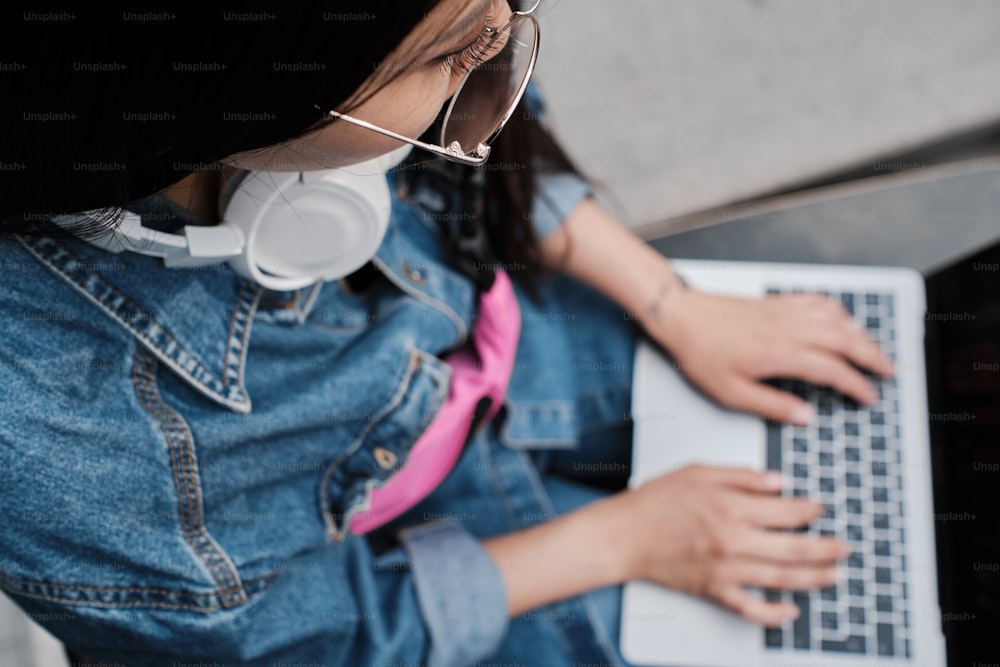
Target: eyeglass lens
485,99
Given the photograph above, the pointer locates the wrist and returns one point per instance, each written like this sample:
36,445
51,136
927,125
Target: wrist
660,305
608,537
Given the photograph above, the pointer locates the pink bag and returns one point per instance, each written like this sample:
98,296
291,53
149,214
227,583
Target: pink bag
435,453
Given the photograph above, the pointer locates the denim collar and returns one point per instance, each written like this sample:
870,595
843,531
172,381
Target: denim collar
195,323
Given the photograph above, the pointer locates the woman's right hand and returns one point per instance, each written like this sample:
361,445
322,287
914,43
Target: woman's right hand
709,531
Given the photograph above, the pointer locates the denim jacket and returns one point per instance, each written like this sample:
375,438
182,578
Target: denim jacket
178,449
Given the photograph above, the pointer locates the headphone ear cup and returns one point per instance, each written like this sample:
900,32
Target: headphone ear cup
304,227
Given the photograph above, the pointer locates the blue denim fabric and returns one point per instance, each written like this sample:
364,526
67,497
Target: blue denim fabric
180,449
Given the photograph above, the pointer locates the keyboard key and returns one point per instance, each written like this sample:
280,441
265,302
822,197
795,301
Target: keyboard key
871,299
829,593
880,494
851,428
828,620
800,445
886,639
877,417
800,470
856,615
854,533
856,560
852,454
801,626
878,443
881,521
883,575
825,434
826,485
883,603
854,505
829,511
773,638
853,644
852,480
856,587
773,447
882,548
826,459
848,301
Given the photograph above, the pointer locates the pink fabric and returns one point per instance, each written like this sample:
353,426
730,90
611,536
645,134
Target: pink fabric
435,453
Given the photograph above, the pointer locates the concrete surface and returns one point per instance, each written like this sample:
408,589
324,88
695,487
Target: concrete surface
921,220
682,105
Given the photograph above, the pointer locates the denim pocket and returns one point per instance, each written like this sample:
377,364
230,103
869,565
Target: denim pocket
384,444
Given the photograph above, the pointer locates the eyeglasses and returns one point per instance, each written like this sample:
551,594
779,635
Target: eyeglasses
488,94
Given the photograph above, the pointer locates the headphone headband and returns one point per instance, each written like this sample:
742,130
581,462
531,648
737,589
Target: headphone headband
284,230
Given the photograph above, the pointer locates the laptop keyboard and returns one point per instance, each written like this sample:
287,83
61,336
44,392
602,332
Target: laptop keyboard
850,460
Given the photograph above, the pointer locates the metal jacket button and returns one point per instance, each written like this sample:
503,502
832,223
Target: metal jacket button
415,275
386,459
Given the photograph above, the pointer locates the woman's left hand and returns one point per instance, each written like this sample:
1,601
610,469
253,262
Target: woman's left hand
728,345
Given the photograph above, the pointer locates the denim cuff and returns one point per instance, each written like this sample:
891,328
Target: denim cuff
558,194
461,593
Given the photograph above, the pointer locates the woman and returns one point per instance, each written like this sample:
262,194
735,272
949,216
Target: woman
194,462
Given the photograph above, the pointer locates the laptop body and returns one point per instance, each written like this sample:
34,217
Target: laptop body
871,467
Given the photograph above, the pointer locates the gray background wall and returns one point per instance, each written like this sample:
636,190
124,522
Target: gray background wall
682,105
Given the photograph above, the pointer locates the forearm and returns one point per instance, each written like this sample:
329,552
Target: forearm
578,552
596,249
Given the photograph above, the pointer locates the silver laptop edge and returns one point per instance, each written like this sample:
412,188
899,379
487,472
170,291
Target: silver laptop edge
675,425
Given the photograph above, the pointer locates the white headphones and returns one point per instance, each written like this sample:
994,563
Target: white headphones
283,230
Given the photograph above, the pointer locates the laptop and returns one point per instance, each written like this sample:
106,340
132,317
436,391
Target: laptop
905,501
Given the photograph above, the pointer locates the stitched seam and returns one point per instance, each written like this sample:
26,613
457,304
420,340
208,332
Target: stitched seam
239,403
188,501
245,343
331,523
262,581
116,605
106,589
440,306
232,332
193,492
142,392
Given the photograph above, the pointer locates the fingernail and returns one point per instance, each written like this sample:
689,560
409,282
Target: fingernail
773,480
802,414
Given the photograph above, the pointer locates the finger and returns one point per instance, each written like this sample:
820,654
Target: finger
781,547
766,481
782,577
825,369
811,306
771,512
761,399
770,614
849,340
